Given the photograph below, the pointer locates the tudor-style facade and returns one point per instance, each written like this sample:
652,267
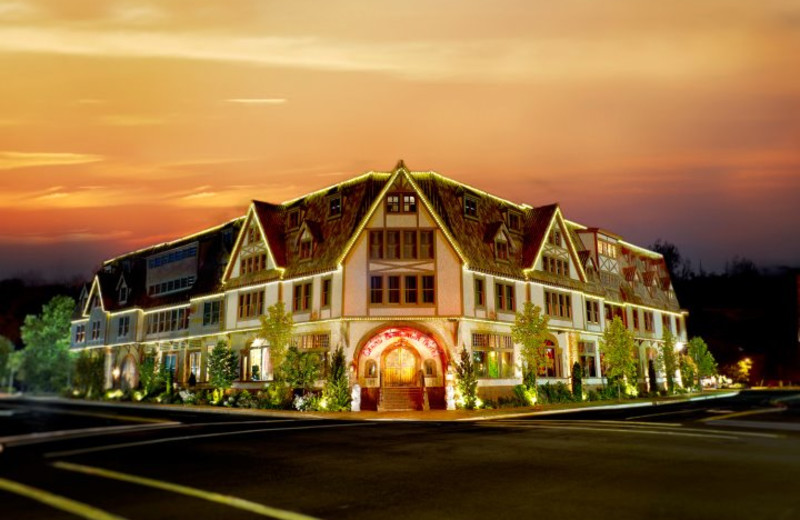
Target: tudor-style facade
402,269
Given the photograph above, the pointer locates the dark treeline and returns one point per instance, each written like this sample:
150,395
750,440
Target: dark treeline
20,297
745,311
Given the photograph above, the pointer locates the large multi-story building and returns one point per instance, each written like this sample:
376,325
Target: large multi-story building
401,269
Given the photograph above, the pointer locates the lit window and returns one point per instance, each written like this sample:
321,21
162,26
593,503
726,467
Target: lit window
588,356
504,297
335,207
493,355
471,207
409,203
211,313
123,326
393,203
592,311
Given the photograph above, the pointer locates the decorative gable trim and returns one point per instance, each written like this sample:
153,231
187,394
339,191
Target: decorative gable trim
252,216
95,288
573,252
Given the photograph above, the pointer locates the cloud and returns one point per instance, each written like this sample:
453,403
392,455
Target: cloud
13,160
257,101
81,235
132,120
495,59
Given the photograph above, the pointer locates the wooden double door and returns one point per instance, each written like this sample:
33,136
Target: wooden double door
400,366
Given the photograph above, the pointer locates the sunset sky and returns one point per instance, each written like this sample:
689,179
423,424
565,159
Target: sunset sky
126,123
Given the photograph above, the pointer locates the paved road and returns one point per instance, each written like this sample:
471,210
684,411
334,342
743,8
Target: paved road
723,458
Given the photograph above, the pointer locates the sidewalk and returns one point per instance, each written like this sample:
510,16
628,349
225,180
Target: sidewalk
409,415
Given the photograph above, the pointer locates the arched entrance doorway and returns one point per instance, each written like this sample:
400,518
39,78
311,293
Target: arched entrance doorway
401,368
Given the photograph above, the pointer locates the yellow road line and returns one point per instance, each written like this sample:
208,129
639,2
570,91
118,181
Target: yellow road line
228,500
57,501
743,414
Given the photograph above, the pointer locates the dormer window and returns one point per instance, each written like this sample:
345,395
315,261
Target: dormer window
470,206
501,249
294,219
514,221
123,293
306,246
393,203
335,207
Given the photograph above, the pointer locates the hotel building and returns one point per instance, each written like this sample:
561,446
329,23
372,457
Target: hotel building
401,269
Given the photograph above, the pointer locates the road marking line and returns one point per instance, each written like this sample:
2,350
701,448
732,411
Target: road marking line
681,433
57,501
131,418
228,500
675,412
190,437
38,438
634,426
764,425
743,414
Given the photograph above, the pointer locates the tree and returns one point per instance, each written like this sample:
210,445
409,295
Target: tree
336,394
6,349
667,359
577,381
705,364
530,331
276,330
90,372
223,366
300,369
15,360
617,346
47,362
149,375
467,379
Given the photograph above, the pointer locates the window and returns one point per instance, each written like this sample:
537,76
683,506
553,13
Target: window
615,311
95,330
123,326
172,256
253,263
371,368
211,313
514,221
501,250
80,333
306,246
559,305
393,244
555,237
429,366
409,245
426,244
402,290
401,203
335,207
635,319
170,362
302,297
409,203
556,266
550,367
294,219
607,249
171,286
376,244
251,304
504,297
376,289
592,311
666,323
123,293
318,344
325,293
393,203
649,322
493,355
428,291
394,289
480,294
411,289
259,364
194,365
470,206
588,356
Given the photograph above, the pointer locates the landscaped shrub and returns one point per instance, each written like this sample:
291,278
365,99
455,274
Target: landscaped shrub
555,393
593,395
523,396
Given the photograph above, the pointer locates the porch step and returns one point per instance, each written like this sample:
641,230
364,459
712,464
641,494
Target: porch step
400,398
